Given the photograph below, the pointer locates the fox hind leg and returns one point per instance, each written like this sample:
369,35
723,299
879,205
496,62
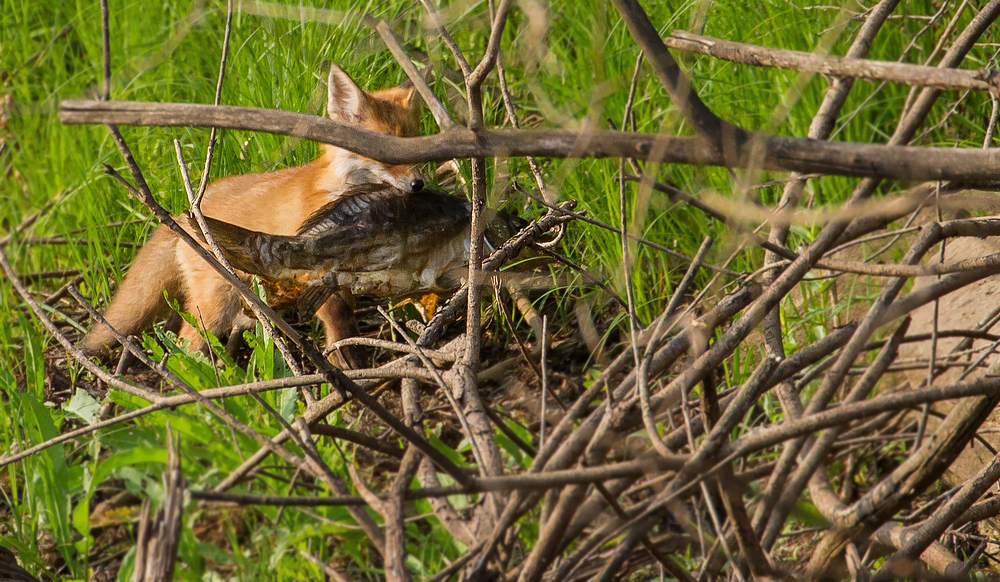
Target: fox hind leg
337,316
214,303
139,300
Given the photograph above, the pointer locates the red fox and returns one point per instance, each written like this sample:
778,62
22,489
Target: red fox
276,202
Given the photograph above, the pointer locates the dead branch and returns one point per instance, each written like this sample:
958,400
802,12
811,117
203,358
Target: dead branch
858,68
776,153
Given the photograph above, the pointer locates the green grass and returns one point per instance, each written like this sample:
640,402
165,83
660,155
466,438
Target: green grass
578,73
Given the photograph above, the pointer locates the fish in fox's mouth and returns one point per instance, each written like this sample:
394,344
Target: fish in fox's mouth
376,241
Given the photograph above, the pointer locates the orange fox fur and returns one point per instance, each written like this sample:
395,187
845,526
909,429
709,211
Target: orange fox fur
276,202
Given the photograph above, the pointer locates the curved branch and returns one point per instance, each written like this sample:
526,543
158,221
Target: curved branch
770,152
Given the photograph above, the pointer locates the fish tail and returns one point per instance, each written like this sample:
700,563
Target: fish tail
237,245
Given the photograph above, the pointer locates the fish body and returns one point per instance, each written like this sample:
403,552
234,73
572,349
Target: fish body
377,241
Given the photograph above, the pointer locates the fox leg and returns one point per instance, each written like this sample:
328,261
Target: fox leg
139,299
337,315
213,302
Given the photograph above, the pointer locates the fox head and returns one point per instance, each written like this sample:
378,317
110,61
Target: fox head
394,111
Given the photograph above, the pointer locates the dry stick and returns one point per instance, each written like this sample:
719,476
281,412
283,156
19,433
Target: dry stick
459,413
438,23
770,436
841,415
449,517
918,538
195,200
69,347
517,339
983,510
929,236
651,45
633,322
932,356
826,238
966,415
673,568
909,203
324,567
912,202
742,528
333,482
639,239
357,438
451,570
956,507
859,68
453,523
203,183
669,75
612,568
536,170
518,504
314,413
61,292
902,57
435,328
822,126
528,482
468,364
392,510
476,78
811,466
444,356
596,427
942,39
922,468
642,375
106,50
591,439
544,376
734,413
466,367
568,567
992,127
724,137
678,294
777,153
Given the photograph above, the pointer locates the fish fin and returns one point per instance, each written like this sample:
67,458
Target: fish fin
316,217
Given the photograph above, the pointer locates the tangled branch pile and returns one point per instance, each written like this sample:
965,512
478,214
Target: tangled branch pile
659,463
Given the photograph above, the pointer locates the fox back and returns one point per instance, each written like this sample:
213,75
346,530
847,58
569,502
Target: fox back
278,202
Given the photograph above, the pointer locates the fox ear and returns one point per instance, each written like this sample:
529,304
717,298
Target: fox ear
345,100
410,98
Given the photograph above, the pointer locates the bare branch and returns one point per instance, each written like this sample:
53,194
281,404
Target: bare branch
778,153
907,74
